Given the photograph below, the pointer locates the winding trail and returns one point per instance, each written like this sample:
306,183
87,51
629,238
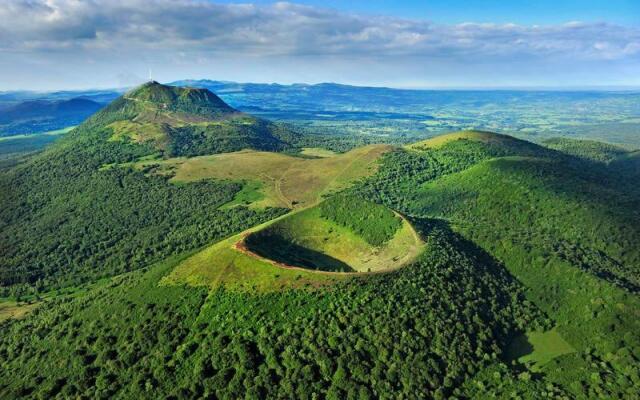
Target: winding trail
278,188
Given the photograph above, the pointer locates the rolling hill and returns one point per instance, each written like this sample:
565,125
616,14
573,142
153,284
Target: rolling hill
275,179
34,116
564,227
171,253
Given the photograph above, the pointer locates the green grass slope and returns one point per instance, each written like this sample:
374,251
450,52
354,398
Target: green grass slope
187,100
488,139
287,252
225,264
285,180
538,348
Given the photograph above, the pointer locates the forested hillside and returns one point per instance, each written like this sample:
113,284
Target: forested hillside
376,224
419,332
566,228
622,162
587,149
524,282
67,218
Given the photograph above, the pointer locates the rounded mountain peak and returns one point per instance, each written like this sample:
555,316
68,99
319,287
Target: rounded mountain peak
185,99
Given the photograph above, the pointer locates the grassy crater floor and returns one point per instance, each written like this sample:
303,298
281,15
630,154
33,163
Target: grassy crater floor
307,240
264,267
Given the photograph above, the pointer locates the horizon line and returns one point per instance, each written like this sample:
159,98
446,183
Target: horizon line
601,88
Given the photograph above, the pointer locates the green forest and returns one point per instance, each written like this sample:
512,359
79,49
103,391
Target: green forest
527,286
131,338
522,208
375,223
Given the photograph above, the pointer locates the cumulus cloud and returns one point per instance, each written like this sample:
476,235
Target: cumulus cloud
287,29
195,31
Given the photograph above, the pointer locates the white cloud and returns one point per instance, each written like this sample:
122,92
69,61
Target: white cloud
285,28
175,30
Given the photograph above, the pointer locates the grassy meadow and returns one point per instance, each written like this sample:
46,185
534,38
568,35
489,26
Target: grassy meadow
12,309
538,348
287,181
441,140
317,152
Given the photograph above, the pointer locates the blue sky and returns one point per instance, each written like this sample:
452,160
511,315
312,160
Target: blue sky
69,44
497,11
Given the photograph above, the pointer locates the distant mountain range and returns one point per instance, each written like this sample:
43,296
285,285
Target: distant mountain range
334,96
33,116
530,114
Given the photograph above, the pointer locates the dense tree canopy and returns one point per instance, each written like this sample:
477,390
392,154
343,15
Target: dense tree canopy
519,238
417,333
373,222
565,227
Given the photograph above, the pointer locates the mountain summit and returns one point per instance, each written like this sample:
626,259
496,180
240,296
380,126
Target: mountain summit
183,121
180,99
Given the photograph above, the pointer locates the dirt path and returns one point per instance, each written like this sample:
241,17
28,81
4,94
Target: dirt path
278,188
347,167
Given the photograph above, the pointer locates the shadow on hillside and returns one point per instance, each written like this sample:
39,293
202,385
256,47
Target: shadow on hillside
484,263
519,347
